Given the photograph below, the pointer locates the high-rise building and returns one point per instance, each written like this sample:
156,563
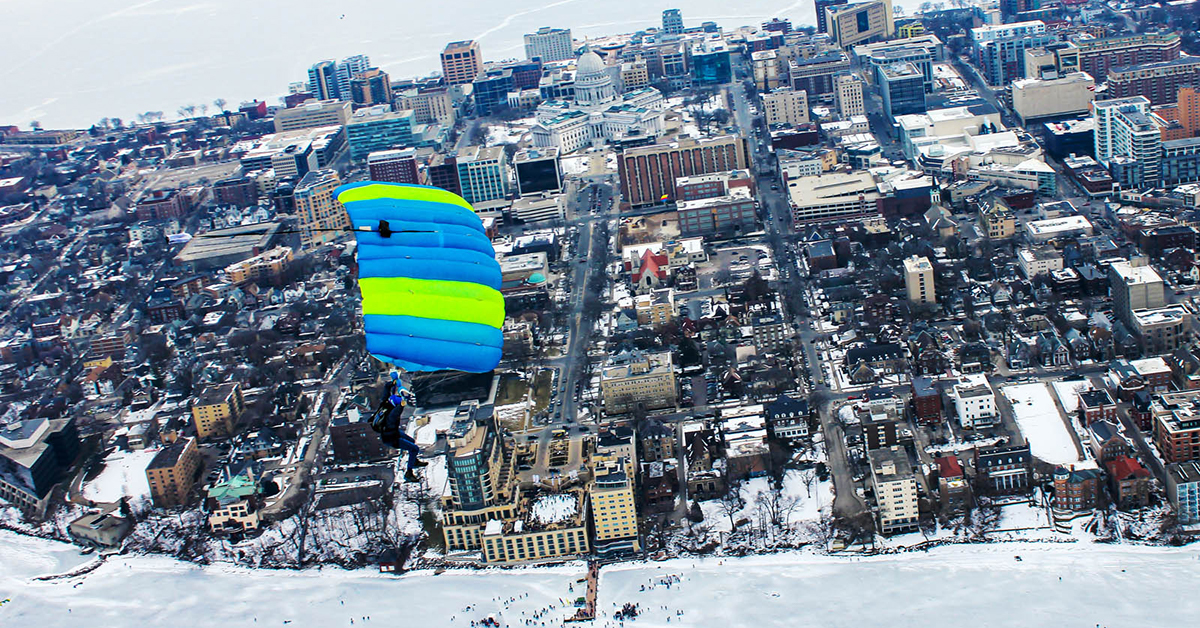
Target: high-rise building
372,87
462,61
815,74
614,509
786,106
1097,56
429,104
1183,490
322,81
672,21
442,171
483,173
491,88
1128,139
903,89
918,280
648,173
1000,49
860,23
34,455
347,69
393,166
537,171
1159,82
895,489
1135,286
550,44
821,5
322,217
172,472
710,63
378,128
848,95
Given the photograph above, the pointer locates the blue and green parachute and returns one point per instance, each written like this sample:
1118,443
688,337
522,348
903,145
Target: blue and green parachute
429,278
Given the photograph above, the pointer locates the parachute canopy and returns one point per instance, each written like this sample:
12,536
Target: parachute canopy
429,278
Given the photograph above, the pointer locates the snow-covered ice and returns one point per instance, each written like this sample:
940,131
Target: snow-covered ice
1041,423
124,475
1112,585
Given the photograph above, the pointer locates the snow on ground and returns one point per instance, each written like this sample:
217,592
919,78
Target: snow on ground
575,165
1110,585
439,419
509,133
550,509
1041,423
808,507
124,474
1068,393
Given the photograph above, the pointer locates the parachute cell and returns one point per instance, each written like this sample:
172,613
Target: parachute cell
430,284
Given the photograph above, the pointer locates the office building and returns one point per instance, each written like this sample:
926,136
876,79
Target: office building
537,170
820,6
786,106
1098,56
393,166
814,75
347,69
672,22
550,44
322,219
172,473
430,105
646,382
483,173
34,456
974,402
724,215
292,154
378,128
648,173
833,196
481,474
216,412
918,280
442,172
491,88
711,63
848,95
903,89
614,507
462,61
322,81
312,114
859,23
1180,162
1037,100
895,488
1159,82
372,87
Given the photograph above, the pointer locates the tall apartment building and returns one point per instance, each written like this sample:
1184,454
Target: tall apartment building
322,217
614,508
429,105
1183,490
378,128
347,69
848,95
393,166
322,80
1159,82
895,490
549,44
482,477
786,106
648,173
372,87
646,382
483,173
172,473
672,22
918,280
216,412
1098,56
815,74
1135,286
820,6
312,114
263,267
1128,134
1000,49
860,23
462,61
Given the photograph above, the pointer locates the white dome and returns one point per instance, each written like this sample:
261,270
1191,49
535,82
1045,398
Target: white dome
589,63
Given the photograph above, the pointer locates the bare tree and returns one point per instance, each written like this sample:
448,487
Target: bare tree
220,103
732,501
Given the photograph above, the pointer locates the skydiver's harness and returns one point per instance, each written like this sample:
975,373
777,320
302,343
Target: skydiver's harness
386,420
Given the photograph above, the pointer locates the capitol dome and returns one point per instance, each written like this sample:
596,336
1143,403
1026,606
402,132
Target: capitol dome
589,63
593,85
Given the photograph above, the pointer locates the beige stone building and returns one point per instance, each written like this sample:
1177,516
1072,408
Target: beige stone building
647,382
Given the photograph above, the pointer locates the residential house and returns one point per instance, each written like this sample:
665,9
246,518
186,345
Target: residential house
705,464
788,417
1078,489
1051,350
1096,405
1107,442
954,492
927,401
1130,483
657,441
1003,470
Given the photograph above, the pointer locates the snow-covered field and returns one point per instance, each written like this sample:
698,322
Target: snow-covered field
124,474
984,585
1041,423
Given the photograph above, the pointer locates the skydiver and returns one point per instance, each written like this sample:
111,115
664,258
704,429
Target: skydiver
387,421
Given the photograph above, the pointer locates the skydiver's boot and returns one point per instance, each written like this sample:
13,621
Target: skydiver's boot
409,476
420,463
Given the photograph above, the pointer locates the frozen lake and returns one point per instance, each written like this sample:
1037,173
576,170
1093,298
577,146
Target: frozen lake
980,585
69,63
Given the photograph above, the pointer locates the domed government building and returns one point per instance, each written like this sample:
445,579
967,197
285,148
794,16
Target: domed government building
598,116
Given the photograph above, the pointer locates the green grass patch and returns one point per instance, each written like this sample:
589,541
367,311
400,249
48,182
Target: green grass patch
512,389
541,391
